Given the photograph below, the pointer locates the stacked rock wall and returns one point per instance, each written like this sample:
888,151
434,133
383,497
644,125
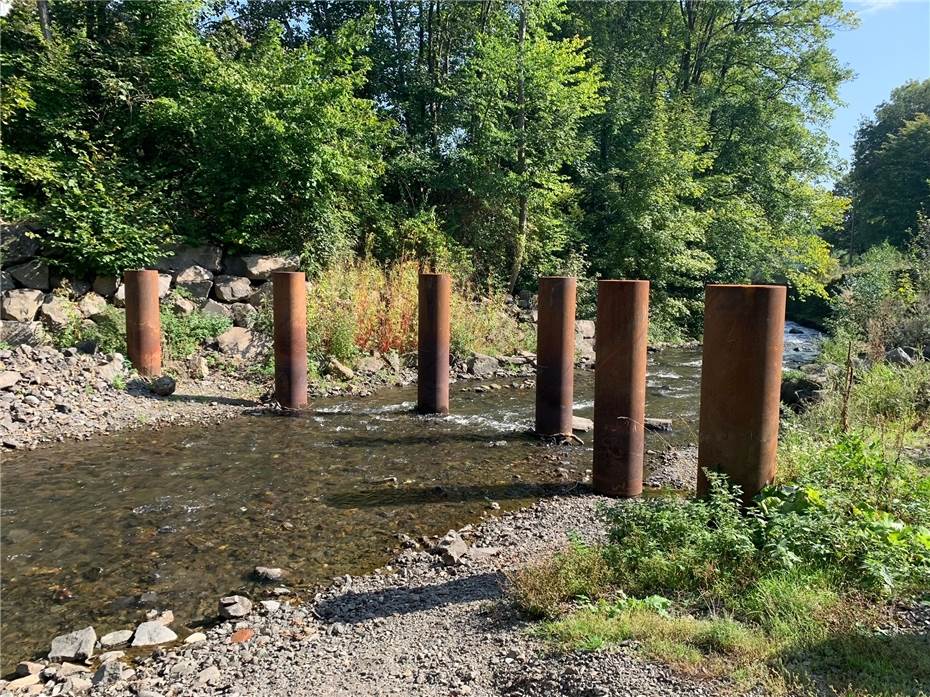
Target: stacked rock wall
205,277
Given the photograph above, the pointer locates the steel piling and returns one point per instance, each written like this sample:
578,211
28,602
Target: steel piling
433,338
620,387
290,338
555,355
143,322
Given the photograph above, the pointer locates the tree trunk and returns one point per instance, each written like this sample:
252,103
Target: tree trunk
43,19
520,241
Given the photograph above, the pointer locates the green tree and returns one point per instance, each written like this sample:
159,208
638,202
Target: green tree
523,99
890,175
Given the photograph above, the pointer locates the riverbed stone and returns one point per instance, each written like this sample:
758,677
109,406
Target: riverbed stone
31,274
67,669
8,378
481,365
269,573
110,656
77,645
196,280
24,668
658,425
92,305
234,606
195,638
338,369
163,386
236,341
370,364
208,676
109,673
151,633
22,304
451,548
106,285
229,289
76,684
23,682
112,368
260,266
117,638
581,424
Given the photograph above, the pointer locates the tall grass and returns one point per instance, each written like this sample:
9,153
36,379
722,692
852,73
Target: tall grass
358,306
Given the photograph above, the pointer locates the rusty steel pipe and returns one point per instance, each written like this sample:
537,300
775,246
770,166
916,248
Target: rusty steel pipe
740,383
620,387
143,322
555,355
433,337
290,338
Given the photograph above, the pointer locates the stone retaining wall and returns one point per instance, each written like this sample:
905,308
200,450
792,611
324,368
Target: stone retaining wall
33,299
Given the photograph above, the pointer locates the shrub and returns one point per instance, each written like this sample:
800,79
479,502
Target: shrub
109,331
182,335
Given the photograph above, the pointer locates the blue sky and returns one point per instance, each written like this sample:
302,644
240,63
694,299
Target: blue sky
890,46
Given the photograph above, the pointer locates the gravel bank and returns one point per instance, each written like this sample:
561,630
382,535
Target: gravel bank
428,624
50,396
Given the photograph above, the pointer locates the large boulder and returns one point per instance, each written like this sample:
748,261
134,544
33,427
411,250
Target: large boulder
29,333
31,274
92,305
229,289
482,366
211,307
57,313
264,294
260,266
799,390
119,297
75,646
179,305
6,281
21,304
584,328
164,284
16,245
196,280
106,285
900,356
236,341
184,256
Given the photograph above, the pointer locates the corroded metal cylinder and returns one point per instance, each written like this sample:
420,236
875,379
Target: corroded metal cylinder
740,384
555,355
620,387
290,338
433,337
143,322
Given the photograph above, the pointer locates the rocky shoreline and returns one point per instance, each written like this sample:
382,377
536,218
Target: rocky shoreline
435,621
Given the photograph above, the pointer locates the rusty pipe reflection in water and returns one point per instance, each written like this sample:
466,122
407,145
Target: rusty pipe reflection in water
555,355
433,337
290,338
740,384
620,387
143,322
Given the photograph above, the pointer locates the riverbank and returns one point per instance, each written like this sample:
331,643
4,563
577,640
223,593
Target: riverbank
49,396
436,621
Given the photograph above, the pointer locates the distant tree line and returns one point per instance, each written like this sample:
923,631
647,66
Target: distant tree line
681,142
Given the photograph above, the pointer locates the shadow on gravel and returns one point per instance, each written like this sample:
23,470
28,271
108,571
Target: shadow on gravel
413,496
354,607
140,390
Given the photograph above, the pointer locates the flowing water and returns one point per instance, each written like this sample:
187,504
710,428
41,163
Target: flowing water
93,533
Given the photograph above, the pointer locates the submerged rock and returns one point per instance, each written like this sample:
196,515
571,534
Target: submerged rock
268,573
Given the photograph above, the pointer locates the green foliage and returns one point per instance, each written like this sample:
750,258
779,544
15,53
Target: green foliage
890,176
182,335
108,331
884,299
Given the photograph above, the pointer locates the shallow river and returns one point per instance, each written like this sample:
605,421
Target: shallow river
93,533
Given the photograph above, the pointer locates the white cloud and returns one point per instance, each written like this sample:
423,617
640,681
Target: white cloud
867,7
